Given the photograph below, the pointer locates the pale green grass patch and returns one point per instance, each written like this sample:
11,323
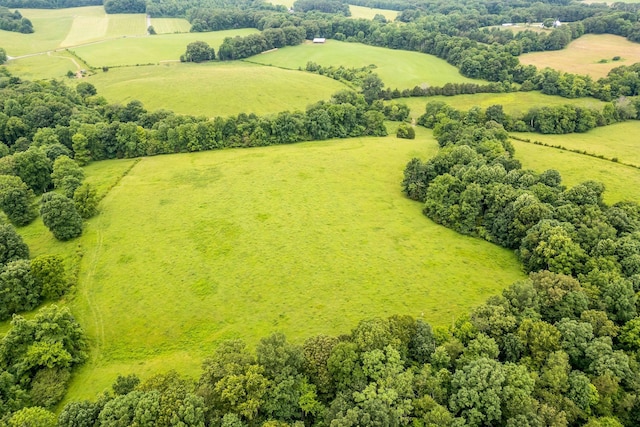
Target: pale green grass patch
127,25
621,182
513,103
150,49
614,141
51,27
370,12
582,55
85,29
53,65
397,68
214,89
311,238
170,25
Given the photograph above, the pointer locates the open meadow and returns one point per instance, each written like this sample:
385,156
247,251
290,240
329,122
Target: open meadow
610,141
512,103
62,28
621,182
361,12
582,55
397,68
150,49
214,89
305,239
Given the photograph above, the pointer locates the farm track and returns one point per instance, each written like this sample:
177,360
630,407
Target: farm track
98,321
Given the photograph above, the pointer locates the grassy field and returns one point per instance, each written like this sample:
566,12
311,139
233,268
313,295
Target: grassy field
621,182
582,55
512,103
52,65
609,141
69,27
150,49
371,12
304,239
397,68
170,25
215,89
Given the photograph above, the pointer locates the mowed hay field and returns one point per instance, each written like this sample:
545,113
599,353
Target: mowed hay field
70,27
621,182
170,25
214,89
151,49
305,239
397,68
513,103
361,12
614,141
581,56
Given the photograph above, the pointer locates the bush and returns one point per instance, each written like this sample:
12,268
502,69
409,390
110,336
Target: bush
406,131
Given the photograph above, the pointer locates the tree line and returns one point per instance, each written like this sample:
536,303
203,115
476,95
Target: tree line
48,4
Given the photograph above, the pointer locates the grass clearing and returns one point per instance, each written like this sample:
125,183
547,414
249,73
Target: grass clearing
214,89
150,49
397,68
609,141
170,25
581,56
244,242
513,103
361,12
621,182
53,65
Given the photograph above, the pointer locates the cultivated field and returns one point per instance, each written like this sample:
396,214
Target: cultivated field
513,103
215,89
609,141
371,12
582,56
170,25
621,182
150,49
70,27
397,68
308,238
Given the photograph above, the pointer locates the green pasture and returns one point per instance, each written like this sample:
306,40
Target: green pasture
361,12
621,182
397,68
583,55
305,239
214,89
150,49
513,103
170,25
51,65
60,28
615,141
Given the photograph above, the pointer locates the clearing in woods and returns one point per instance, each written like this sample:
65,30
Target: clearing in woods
582,55
621,182
214,88
513,103
305,239
397,68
